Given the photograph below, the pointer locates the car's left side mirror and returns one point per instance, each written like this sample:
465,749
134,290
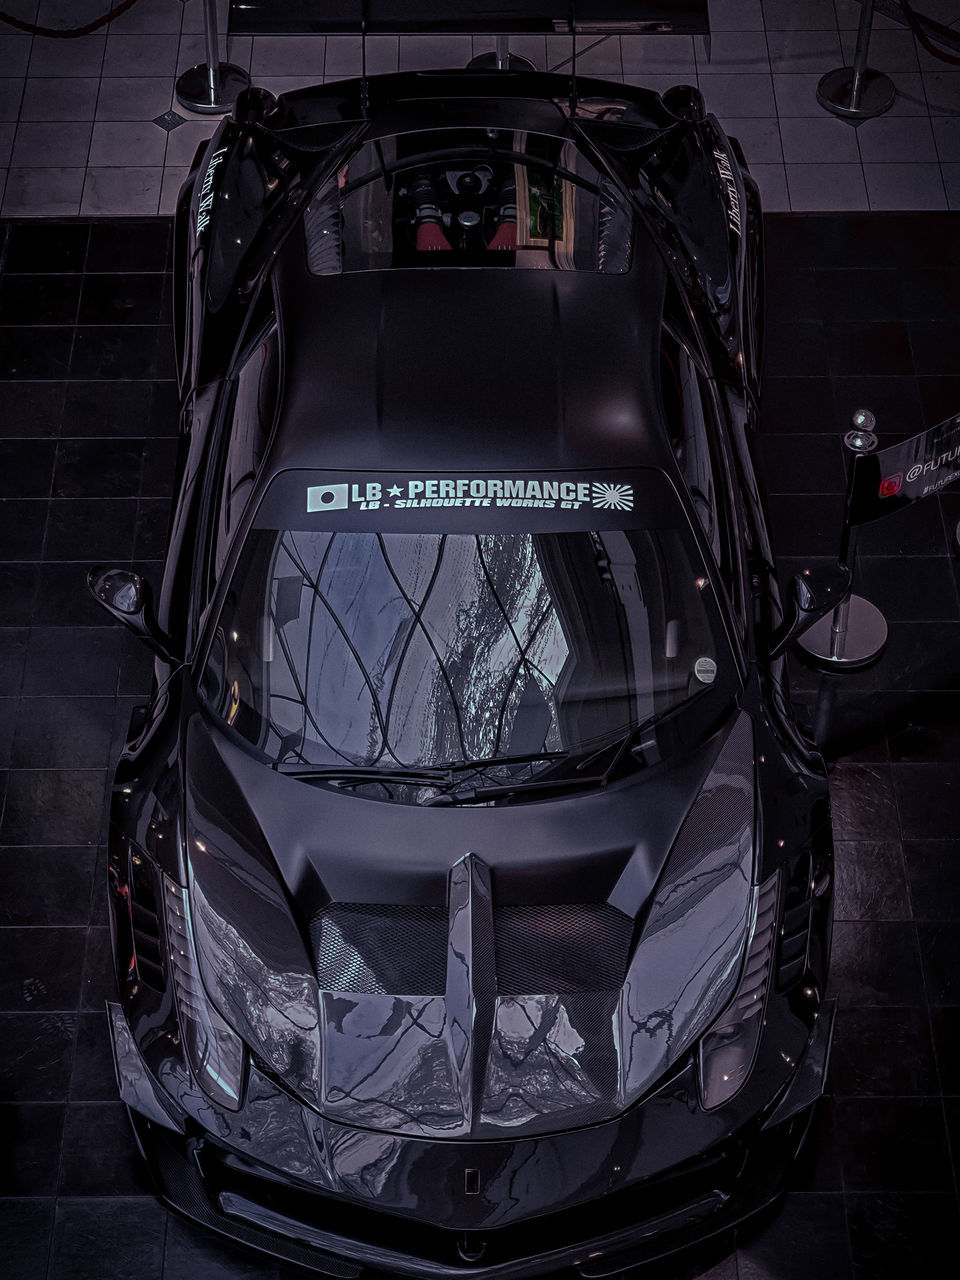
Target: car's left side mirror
813,594
127,597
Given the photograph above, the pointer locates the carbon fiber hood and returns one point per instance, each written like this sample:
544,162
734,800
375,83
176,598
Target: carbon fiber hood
473,972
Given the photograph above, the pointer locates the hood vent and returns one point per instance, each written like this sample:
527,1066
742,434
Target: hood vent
561,948
378,949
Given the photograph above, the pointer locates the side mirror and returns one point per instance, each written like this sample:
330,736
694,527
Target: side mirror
128,598
813,594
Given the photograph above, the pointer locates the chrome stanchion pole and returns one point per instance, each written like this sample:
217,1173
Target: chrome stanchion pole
858,93
211,87
854,634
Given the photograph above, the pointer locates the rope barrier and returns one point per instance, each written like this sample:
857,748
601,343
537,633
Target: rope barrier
67,33
915,22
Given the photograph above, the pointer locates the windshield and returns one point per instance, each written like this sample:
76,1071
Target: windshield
468,197
439,633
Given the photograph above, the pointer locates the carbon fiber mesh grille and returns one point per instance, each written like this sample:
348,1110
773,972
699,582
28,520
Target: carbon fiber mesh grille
561,948
380,950
621,137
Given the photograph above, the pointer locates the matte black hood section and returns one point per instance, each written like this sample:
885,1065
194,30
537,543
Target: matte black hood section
467,968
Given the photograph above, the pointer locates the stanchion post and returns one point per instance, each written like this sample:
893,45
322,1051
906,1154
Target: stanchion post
211,87
855,633
857,93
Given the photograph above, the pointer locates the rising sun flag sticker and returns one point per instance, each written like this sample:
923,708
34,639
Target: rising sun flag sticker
613,497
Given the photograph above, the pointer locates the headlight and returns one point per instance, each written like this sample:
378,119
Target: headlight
254,964
686,965
728,1049
214,1051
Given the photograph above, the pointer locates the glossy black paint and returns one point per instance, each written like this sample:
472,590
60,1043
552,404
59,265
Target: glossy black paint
282,850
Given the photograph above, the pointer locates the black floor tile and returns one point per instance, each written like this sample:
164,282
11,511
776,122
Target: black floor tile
862,802
909,588
13,653
796,405
53,806
73,660
894,1236
22,523
928,796
93,1078
153,520
107,409
931,294
933,872
159,462
46,886
98,468
26,468
39,300
806,525
30,1153
926,730
876,963
807,1237
871,294
893,1144
796,349
63,733
869,350
121,351
804,464
871,882
940,950
190,1252
133,247
26,1227
940,397
35,353
165,409
135,1231
90,528
36,1055
883,1051
99,984
946,1041
934,346
31,410
40,968
127,298
109,1167
63,598
39,247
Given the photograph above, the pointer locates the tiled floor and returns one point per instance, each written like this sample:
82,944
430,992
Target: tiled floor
78,131
87,425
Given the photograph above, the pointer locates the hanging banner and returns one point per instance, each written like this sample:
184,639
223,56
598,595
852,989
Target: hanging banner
891,479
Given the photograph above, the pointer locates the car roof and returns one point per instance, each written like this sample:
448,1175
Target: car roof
470,368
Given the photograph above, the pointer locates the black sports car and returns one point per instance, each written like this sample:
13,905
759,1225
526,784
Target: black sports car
470,876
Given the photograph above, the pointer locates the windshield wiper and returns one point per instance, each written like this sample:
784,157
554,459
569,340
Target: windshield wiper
362,773
478,795
426,775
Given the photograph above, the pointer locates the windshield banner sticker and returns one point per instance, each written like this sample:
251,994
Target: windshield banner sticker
569,495
886,481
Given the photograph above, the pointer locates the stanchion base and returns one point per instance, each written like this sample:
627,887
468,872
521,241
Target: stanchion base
877,93
863,642
193,88
491,62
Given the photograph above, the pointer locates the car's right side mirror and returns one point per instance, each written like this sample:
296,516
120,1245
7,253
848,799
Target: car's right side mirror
813,593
